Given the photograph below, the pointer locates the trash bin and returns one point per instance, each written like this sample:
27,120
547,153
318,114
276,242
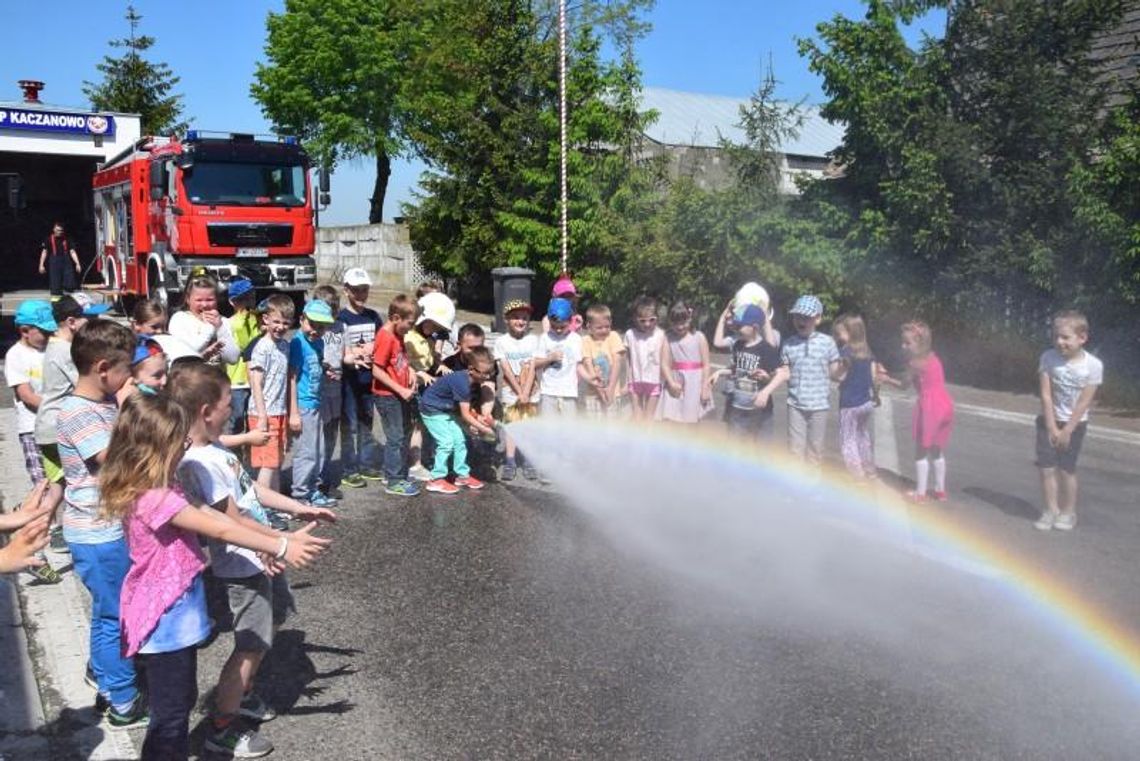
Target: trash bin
510,283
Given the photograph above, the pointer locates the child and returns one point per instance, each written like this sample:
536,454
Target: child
436,315
164,617
520,392
439,404
357,447
755,358
268,380
306,373
331,390
149,319
393,385
102,351
245,327
933,411
645,345
1070,377
148,366
564,288
685,370
259,598
604,359
29,524
199,325
857,374
559,359
808,362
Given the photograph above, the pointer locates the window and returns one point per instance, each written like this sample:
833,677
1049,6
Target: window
242,184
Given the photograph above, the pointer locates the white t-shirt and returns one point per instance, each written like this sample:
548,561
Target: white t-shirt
23,364
209,475
1068,378
198,334
644,355
515,352
560,379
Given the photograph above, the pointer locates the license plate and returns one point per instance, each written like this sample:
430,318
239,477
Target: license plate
253,252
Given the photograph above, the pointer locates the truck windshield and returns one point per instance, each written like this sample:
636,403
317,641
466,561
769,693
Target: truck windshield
242,184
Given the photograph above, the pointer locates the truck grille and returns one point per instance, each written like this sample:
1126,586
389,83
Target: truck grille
247,235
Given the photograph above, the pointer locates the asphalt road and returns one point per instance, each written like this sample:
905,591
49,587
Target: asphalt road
512,623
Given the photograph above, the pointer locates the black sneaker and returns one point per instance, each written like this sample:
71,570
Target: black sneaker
44,574
133,717
57,543
102,704
333,493
89,677
253,707
238,742
510,471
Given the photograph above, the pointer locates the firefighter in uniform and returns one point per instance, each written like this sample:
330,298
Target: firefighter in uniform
60,262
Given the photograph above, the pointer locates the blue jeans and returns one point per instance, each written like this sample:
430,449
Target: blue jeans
239,410
102,568
450,443
308,454
395,417
172,680
357,447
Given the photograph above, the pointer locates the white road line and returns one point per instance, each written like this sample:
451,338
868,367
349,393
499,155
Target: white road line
1022,418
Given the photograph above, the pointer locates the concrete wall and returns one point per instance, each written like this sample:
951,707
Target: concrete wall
384,250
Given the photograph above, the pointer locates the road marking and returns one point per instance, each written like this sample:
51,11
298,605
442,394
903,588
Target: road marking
1023,418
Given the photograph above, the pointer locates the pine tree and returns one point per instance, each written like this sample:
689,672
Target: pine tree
133,85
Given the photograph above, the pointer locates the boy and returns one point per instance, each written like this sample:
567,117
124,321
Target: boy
808,363
437,315
393,385
331,390
357,447
245,327
519,393
260,603
102,351
24,371
1069,378
559,357
268,381
468,337
755,357
70,313
306,373
439,404
604,361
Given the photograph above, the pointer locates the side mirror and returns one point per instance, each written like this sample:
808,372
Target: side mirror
323,175
324,200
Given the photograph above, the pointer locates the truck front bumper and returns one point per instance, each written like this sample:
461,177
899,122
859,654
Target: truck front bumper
283,274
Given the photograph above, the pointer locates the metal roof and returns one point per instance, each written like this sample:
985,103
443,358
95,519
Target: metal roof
697,119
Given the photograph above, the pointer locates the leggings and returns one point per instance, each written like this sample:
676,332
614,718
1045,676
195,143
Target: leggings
855,440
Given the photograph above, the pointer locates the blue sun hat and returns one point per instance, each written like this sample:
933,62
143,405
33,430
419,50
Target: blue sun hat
239,287
752,315
318,311
807,306
560,309
36,313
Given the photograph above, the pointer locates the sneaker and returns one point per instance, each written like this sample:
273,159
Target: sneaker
253,707
278,521
44,574
915,497
509,472
1065,522
372,474
419,473
442,486
102,705
1047,520
353,480
469,482
238,742
133,716
319,499
529,473
402,488
333,493
941,496
57,543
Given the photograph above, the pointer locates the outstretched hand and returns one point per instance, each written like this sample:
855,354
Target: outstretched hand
20,552
304,547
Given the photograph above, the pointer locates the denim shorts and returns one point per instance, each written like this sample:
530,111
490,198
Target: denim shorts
1049,456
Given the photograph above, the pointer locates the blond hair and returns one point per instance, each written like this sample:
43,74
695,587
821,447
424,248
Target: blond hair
1074,319
922,336
146,443
856,335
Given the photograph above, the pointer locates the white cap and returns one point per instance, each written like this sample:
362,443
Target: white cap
357,276
437,308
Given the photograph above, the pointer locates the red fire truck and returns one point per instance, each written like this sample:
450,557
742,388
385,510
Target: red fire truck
234,204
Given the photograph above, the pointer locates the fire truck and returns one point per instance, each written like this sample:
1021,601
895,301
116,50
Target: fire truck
233,205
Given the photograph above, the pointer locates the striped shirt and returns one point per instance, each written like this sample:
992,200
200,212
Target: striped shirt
84,430
809,362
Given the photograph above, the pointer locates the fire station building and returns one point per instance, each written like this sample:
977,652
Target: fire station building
48,155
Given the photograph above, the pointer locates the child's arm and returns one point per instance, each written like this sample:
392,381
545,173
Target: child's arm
779,378
275,500
547,360
256,438
1084,402
706,389
480,423
720,340
30,398
770,334
511,379
228,350
298,549
31,508
1045,389
384,379
24,545
668,377
294,409
616,374
257,393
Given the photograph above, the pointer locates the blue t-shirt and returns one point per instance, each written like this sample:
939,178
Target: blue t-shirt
359,329
445,394
856,388
305,358
184,624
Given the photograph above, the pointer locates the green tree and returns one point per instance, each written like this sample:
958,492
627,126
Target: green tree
333,76
132,84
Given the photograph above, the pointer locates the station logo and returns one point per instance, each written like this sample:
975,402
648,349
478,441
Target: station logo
97,125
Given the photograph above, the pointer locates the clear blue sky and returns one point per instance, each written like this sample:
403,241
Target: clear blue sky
715,46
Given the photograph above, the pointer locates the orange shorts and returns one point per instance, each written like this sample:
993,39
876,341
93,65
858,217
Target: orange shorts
272,453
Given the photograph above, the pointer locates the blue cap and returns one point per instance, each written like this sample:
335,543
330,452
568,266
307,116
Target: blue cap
318,311
239,287
88,305
560,309
36,313
808,306
752,315
145,349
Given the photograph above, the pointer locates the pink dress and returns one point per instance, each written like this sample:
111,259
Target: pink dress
934,409
687,366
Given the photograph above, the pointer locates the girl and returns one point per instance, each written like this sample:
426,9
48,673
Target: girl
163,601
564,288
933,410
199,325
148,368
857,377
148,319
686,370
645,346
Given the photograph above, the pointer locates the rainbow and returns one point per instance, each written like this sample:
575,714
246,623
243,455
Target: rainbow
1105,640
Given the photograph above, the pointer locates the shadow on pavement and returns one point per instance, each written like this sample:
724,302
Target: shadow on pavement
1007,503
